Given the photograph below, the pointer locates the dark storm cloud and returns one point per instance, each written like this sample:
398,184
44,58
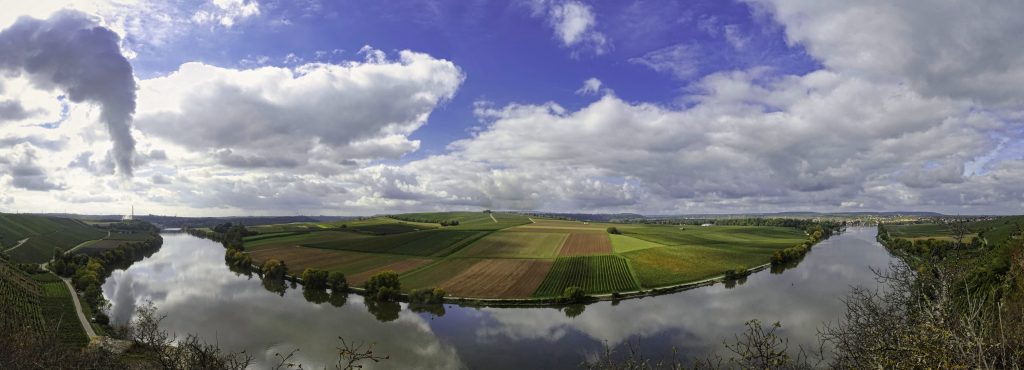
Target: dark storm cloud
71,52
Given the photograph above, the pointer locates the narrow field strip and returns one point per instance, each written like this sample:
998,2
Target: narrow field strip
595,274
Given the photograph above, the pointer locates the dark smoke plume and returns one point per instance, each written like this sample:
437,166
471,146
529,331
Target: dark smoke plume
70,51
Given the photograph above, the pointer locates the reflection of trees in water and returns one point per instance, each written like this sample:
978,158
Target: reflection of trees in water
574,310
729,284
274,286
314,295
778,269
338,299
384,311
434,309
240,270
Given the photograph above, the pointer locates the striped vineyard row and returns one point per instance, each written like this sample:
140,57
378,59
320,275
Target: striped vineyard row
595,274
19,301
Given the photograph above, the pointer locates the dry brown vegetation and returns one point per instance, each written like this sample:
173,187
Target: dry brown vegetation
579,244
494,278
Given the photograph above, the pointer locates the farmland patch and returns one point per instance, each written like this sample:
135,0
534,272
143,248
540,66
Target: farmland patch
498,278
595,274
578,244
515,245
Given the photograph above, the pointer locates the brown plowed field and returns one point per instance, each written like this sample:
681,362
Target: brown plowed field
399,267
499,278
579,244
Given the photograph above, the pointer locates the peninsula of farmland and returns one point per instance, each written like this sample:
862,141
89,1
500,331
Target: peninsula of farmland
487,255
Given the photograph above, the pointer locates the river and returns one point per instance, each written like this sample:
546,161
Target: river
189,281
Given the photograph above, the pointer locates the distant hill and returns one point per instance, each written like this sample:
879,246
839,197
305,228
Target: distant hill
800,214
42,234
596,217
606,217
175,222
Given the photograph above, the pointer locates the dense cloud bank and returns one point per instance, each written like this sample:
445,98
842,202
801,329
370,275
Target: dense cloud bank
913,107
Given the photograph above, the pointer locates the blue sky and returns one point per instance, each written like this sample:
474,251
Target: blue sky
658,107
508,54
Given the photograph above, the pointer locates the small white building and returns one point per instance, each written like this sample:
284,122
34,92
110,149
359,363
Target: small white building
706,225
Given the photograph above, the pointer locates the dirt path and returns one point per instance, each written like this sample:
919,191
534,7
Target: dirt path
82,244
531,220
78,306
492,217
78,309
20,242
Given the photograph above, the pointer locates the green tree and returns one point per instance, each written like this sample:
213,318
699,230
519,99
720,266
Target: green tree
274,269
337,282
427,295
314,279
614,230
574,294
384,286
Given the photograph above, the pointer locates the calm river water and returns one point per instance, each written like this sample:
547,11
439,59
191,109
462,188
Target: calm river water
189,281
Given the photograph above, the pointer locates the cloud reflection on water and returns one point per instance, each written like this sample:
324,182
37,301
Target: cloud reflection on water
188,280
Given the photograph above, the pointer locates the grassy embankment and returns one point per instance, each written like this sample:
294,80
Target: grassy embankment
510,257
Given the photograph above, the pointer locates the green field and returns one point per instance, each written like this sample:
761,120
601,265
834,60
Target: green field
435,274
595,274
523,254
757,237
515,245
44,234
114,240
623,244
288,239
676,265
374,226
919,231
472,220
997,230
